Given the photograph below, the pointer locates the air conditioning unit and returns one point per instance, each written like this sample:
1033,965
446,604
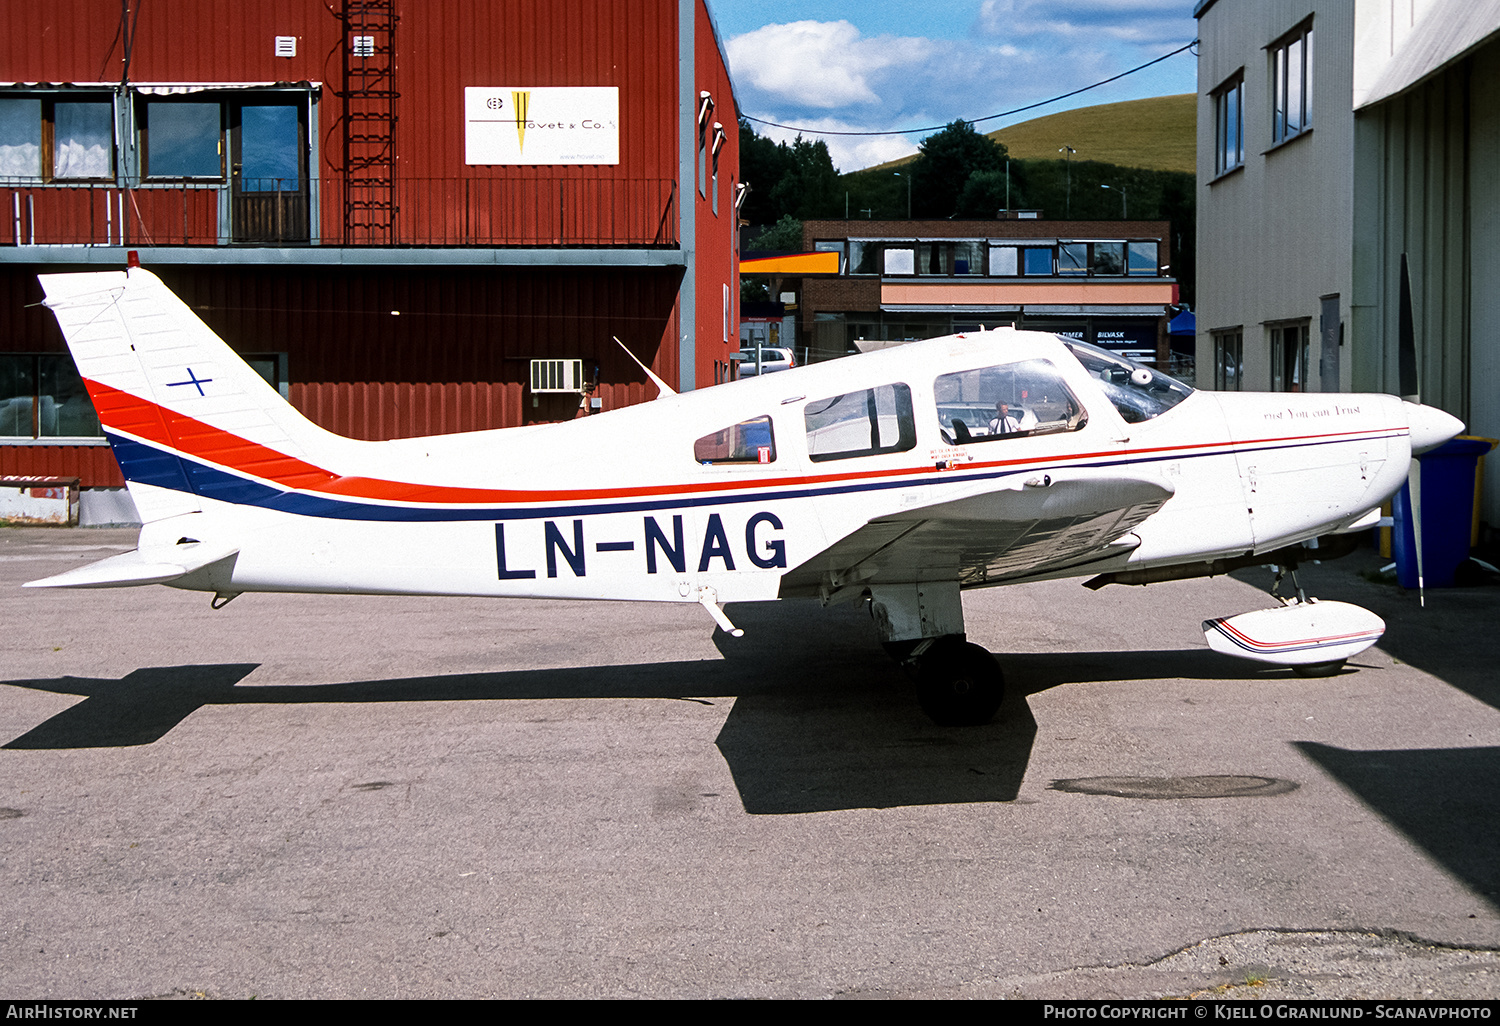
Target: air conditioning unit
557,376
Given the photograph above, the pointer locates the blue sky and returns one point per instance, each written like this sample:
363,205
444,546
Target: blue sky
893,64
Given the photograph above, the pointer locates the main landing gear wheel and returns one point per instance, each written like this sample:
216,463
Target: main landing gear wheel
959,684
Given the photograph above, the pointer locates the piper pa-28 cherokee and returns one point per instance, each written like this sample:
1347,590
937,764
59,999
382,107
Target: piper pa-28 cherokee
894,476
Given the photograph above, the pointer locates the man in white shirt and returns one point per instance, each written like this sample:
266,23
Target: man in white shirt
1004,423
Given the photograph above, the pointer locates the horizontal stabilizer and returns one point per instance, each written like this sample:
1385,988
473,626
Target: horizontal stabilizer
130,569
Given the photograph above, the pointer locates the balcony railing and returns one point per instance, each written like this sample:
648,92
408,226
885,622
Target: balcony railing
449,212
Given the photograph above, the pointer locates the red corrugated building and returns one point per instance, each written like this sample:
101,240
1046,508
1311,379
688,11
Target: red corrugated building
392,207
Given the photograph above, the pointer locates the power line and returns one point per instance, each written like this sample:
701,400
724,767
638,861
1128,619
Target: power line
987,117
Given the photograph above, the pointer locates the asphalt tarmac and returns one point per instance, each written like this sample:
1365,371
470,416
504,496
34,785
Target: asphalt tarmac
307,796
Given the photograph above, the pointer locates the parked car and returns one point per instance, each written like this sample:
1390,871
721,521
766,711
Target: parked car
772,358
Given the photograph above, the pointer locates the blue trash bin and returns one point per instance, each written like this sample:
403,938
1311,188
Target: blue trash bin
1447,514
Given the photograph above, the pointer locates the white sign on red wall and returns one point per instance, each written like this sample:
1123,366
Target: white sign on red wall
558,125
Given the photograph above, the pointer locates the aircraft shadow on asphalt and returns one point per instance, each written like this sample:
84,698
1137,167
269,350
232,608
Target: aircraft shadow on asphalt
1446,800
818,724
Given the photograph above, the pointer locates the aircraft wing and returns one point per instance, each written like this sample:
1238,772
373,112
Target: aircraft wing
1031,524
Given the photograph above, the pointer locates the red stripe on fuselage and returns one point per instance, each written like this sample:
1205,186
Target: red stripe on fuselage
162,426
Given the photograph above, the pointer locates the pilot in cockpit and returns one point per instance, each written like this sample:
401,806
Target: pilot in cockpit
1004,423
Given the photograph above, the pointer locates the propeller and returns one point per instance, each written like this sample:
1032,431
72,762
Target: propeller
1410,390
1428,427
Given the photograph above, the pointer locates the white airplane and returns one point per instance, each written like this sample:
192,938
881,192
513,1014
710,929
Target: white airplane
891,476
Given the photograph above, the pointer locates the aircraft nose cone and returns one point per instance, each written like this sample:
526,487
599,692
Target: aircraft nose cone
1430,427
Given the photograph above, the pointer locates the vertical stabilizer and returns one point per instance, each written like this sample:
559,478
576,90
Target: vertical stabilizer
166,387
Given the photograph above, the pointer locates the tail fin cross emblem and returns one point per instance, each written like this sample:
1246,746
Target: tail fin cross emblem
193,380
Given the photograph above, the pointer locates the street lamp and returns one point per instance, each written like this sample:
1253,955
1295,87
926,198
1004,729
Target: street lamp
907,176
1068,152
1124,202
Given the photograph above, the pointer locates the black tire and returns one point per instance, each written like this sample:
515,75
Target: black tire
1319,669
959,684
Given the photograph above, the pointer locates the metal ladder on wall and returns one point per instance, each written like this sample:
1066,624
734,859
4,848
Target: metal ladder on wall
369,96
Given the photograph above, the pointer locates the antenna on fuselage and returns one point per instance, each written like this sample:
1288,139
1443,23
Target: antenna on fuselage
665,388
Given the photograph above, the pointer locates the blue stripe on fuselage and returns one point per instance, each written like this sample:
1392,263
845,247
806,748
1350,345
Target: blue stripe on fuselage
146,464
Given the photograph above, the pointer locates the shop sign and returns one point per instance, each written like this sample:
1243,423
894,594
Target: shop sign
559,125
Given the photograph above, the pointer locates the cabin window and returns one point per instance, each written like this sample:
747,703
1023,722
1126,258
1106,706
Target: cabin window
42,396
1013,400
750,441
867,423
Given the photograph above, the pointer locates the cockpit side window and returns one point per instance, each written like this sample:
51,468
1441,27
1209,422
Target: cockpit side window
866,423
1012,400
750,441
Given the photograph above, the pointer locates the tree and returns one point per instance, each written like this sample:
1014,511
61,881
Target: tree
944,163
799,179
810,187
763,164
986,193
783,236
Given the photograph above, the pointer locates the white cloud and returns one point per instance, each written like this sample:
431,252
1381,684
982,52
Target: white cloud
827,75
819,63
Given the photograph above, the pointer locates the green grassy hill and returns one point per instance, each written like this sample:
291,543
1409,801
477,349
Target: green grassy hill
1159,134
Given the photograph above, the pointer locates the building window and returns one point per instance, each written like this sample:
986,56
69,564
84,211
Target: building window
42,396
1143,257
1072,259
1291,85
182,140
1229,124
833,246
55,139
1229,360
900,260
1289,345
1031,261
864,257
1003,261
1107,258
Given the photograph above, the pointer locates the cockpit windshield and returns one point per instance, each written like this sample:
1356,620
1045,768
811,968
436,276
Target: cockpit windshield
1138,392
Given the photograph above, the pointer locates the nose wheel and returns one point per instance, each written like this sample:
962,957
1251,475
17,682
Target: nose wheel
959,684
